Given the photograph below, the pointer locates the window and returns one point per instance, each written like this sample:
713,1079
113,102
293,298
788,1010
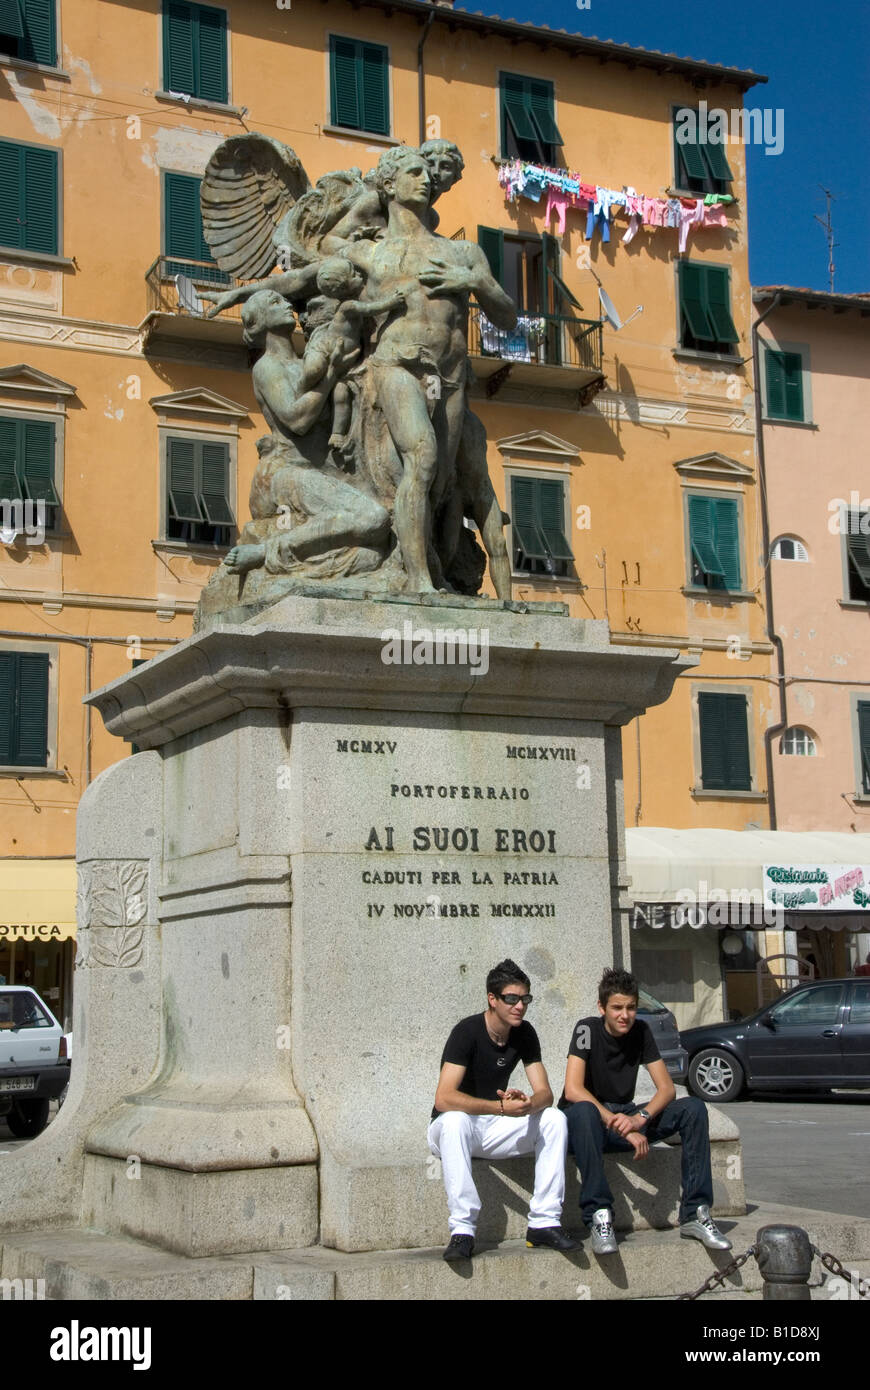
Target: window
809,1007
700,165
858,555
784,380
24,709
788,548
195,50
528,123
705,314
723,724
197,484
182,231
714,542
799,743
538,520
864,744
359,89
527,267
28,197
860,1002
28,30
27,468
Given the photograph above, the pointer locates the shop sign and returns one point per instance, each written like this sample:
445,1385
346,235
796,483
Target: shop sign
31,931
817,888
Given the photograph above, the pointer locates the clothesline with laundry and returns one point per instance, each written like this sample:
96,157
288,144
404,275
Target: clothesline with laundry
565,189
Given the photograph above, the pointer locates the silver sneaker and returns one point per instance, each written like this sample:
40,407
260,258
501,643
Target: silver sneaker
704,1228
603,1239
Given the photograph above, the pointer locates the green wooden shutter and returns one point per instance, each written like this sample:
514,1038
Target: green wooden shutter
858,547
214,487
210,36
183,234
718,298
864,739
39,44
373,72
179,64
491,243
11,21
775,374
516,107
343,64
551,516
691,283
38,451
182,480
794,386
727,540
714,153
10,487
32,750
40,200
8,683
11,214
702,536
541,104
689,162
524,514
724,742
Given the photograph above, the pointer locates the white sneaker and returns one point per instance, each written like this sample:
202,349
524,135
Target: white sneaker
603,1239
704,1228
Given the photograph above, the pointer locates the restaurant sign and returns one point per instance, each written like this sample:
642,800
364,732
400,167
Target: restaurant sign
817,887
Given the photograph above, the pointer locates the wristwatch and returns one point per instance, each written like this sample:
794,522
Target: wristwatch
644,1115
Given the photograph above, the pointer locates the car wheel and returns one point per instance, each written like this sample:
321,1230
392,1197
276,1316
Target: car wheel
716,1075
27,1118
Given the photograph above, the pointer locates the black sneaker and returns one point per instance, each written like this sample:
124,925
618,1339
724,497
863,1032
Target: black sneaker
459,1248
551,1238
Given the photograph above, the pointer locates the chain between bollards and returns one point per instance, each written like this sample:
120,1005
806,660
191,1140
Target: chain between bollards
785,1259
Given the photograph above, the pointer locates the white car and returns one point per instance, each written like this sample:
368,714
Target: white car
34,1065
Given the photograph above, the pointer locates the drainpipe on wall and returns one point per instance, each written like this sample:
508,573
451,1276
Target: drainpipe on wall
774,729
421,76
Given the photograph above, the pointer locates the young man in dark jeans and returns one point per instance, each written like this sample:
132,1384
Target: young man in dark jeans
477,1115
598,1100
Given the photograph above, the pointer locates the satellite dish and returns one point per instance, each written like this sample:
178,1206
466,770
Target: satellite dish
609,310
187,295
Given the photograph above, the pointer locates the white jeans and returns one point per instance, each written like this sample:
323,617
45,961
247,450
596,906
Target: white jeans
456,1138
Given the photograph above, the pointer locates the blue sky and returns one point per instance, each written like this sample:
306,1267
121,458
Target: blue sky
816,55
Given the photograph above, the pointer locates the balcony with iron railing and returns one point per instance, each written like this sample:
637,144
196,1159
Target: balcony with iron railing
176,309
544,351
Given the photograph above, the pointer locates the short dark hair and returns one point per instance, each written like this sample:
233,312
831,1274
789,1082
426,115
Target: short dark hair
507,972
616,982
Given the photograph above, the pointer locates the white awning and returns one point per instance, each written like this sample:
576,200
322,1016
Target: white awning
677,866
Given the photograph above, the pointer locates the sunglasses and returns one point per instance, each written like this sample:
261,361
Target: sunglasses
513,999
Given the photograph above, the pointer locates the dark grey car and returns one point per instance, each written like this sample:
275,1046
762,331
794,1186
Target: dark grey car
817,1038
665,1031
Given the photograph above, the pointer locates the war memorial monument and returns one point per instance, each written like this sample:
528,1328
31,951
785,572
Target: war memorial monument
360,784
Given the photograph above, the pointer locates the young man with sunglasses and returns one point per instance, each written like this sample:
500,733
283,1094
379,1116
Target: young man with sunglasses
603,1117
477,1115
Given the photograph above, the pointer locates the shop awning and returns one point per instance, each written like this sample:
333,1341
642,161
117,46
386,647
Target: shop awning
37,899
669,866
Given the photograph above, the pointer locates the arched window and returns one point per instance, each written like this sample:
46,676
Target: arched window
789,548
798,742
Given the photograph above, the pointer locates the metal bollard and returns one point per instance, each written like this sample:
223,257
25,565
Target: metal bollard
785,1258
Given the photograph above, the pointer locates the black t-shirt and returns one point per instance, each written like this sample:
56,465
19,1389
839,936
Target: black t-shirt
611,1063
487,1065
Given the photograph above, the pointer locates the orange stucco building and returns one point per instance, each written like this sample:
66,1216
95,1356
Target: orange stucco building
644,432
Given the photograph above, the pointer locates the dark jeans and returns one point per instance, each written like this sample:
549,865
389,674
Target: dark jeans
588,1140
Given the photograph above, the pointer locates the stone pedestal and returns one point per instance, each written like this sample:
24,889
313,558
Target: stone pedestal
290,899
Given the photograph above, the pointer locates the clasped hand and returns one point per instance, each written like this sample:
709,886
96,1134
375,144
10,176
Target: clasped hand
628,1127
515,1102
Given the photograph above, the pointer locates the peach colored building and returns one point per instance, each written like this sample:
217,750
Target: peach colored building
814,370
